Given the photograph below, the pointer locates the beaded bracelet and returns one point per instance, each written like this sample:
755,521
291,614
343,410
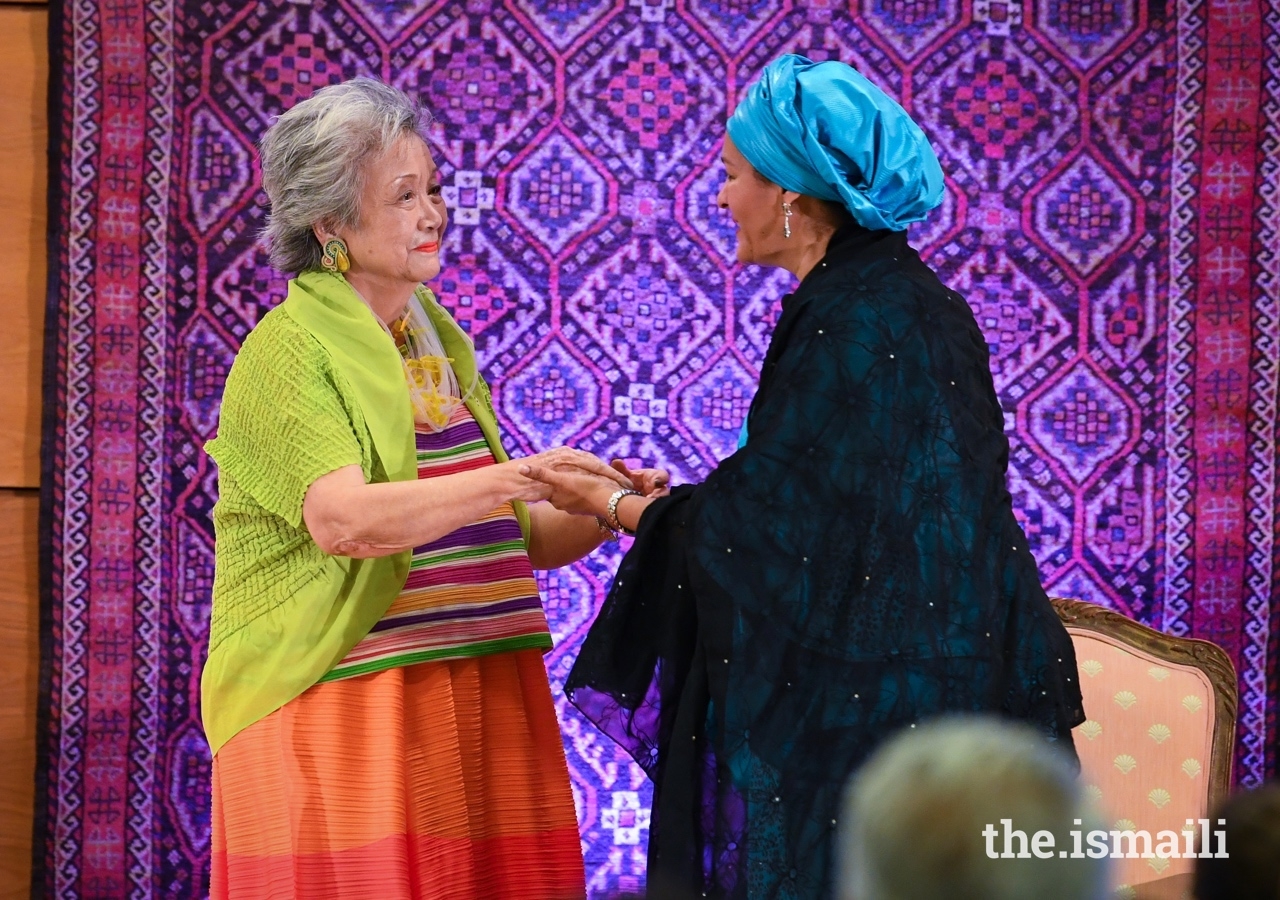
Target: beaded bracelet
611,511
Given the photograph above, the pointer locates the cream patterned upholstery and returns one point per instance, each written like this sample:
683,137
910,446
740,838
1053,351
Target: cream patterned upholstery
1155,749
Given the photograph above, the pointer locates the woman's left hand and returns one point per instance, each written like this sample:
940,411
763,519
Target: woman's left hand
650,482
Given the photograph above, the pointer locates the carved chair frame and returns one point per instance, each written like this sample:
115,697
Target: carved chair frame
1208,657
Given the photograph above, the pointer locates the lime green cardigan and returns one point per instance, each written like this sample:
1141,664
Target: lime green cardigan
316,386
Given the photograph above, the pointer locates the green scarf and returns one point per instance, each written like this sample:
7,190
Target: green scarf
327,306
291,631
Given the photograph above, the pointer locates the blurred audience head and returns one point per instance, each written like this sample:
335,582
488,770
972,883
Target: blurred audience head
923,816
1251,868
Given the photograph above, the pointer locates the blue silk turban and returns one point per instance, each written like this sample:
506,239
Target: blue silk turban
824,130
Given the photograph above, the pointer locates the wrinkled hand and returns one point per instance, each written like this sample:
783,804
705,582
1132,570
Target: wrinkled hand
650,482
573,489
521,487
567,459
517,486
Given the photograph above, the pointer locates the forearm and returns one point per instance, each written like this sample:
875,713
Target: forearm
558,538
351,518
631,508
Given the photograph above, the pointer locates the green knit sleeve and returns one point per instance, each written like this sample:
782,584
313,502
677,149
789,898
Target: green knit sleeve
285,418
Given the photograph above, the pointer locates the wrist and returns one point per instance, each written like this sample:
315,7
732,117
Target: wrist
511,482
511,485
628,511
611,510
600,500
605,534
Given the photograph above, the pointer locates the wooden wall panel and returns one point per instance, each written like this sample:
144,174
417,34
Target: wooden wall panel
24,74
19,664
24,136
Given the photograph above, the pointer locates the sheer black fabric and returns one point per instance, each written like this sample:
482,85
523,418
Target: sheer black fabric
854,569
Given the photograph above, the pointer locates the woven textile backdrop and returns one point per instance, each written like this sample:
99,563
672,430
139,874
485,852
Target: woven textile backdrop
1112,215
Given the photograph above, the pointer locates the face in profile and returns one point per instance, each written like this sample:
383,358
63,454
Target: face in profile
754,204
402,218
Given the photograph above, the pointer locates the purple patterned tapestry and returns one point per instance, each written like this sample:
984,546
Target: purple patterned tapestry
1113,206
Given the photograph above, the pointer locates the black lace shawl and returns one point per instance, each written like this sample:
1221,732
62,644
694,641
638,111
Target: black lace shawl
854,569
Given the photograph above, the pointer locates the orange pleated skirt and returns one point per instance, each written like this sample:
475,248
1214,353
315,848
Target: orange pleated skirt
439,780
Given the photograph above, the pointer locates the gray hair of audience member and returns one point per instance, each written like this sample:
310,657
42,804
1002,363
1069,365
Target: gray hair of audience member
314,159
1250,867
914,816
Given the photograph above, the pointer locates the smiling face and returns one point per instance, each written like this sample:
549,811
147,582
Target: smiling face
755,204
396,244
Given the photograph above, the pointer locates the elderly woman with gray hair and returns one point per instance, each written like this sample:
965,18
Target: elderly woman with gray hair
374,695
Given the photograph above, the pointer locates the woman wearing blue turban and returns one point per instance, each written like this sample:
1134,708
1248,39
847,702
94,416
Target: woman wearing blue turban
856,566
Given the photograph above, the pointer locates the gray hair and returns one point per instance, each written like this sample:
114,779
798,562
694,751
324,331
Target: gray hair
914,817
314,160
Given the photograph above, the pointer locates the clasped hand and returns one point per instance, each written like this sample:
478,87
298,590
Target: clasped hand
581,483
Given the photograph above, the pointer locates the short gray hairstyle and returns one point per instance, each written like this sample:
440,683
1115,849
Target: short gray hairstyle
315,157
914,816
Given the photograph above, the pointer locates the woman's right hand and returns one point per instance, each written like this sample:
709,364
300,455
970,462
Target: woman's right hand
515,486
560,459
573,490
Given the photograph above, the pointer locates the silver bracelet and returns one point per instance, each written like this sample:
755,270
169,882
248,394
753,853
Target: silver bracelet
611,511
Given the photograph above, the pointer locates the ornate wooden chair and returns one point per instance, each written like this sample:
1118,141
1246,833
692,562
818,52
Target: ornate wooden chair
1156,748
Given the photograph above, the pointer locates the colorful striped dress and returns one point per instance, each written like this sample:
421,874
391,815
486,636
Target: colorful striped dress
426,764
468,593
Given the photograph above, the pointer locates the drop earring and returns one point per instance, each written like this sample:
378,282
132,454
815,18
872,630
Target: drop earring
786,220
334,257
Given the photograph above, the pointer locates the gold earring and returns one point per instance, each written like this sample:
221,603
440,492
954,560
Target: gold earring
334,256
786,220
